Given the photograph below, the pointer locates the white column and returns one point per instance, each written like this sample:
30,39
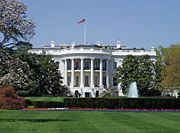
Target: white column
72,73
82,74
92,73
101,74
65,72
111,71
107,73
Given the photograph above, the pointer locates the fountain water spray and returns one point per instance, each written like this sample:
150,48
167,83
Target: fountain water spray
133,92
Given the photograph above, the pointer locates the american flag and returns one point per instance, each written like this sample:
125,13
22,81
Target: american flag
81,21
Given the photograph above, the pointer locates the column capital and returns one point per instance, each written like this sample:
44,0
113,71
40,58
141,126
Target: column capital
81,58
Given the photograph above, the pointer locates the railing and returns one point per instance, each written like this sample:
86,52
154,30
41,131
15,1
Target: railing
103,93
77,68
87,68
71,50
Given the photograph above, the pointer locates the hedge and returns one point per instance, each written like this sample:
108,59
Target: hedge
132,103
44,104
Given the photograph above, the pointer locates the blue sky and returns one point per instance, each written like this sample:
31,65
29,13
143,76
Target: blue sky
137,23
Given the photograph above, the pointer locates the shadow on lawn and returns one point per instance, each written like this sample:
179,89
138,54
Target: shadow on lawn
33,120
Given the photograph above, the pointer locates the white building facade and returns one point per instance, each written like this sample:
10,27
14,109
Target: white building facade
88,70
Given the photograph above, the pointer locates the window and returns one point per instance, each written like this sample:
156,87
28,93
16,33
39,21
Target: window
77,81
87,94
115,65
104,80
68,65
76,65
96,65
87,64
97,93
114,81
86,81
68,80
76,93
96,81
104,65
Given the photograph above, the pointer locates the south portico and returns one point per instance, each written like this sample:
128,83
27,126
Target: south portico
86,76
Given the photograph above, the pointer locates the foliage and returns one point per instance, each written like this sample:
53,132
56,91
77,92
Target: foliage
48,98
159,67
14,24
30,74
139,69
113,103
9,99
13,71
45,104
172,68
45,78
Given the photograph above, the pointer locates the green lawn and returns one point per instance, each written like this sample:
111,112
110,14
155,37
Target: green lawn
87,122
58,99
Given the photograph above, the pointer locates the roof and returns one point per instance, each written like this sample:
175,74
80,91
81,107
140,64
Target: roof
88,45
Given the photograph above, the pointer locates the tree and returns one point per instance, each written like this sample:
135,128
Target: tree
172,68
159,66
13,71
14,24
139,69
27,73
45,79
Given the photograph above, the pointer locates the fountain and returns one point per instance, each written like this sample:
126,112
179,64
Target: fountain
133,92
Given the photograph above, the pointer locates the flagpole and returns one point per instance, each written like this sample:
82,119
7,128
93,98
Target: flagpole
85,32
83,21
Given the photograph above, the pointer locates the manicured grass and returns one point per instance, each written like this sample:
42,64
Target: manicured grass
57,99
87,122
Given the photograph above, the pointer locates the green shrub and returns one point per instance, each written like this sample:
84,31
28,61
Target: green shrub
46,104
131,103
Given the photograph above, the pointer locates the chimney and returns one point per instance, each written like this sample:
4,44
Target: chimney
118,44
52,43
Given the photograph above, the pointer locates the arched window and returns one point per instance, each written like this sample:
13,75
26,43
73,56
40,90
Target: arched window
76,93
97,93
